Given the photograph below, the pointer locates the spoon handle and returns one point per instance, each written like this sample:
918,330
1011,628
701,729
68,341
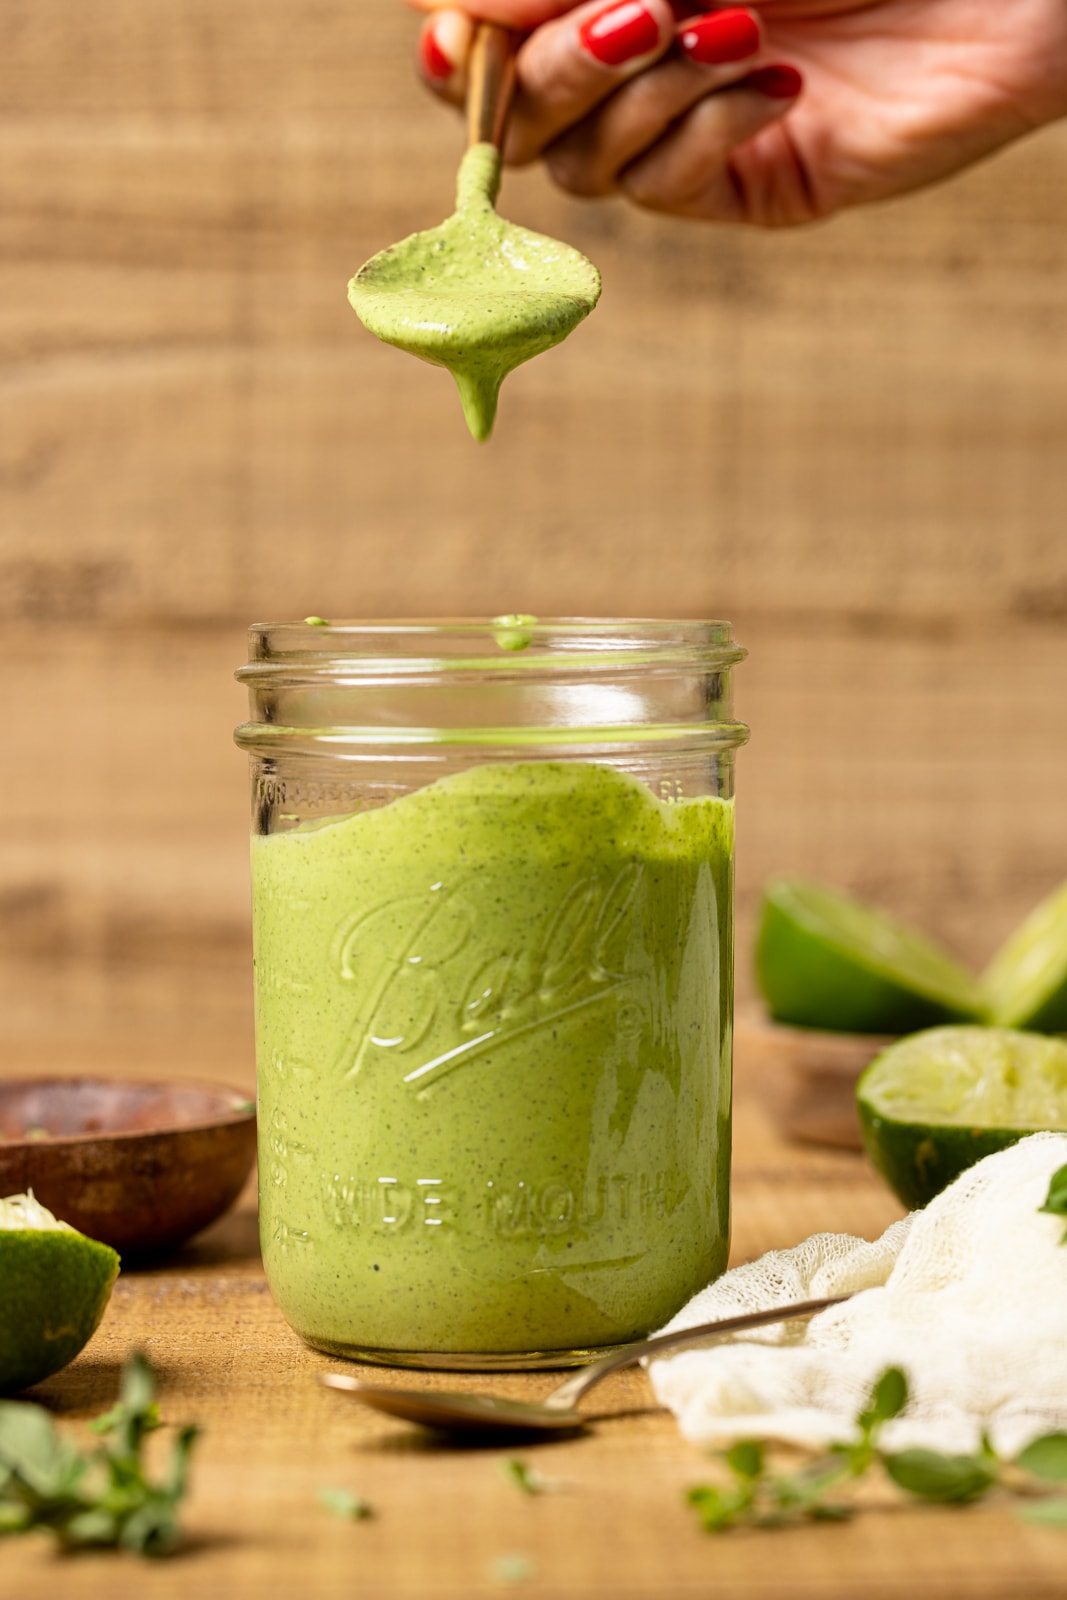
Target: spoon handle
491,78
570,1392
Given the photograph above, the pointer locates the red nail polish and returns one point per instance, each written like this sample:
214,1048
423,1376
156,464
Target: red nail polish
435,63
721,37
777,83
620,34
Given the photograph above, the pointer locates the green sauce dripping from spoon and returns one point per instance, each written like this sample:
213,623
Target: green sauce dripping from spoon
477,294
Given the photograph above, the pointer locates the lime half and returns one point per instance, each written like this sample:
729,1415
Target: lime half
55,1286
1026,981
933,1104
825,960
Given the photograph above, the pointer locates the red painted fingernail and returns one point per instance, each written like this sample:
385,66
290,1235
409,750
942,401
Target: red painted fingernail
721,37
777,83
620,34
435,63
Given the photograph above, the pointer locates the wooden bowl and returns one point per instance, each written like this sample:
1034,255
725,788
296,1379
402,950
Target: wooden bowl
807,1078
140,1166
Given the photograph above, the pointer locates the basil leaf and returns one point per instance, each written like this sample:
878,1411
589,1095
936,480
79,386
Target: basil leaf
1056,1199
718,1509
947,1480
1046,1457
745,1458
887,1400
32,1450
91,1527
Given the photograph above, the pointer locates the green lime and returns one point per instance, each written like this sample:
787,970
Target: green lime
56,1284
1026,981
825,960
935,1103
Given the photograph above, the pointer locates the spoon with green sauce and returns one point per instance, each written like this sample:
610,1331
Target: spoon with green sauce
477,294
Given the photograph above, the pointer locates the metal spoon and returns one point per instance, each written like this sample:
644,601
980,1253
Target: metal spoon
484,1413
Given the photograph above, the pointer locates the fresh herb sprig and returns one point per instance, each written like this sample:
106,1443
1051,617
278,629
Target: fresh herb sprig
757,1496
103,1499
1056,1199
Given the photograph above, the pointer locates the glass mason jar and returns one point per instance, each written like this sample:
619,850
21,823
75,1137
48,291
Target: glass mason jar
492,921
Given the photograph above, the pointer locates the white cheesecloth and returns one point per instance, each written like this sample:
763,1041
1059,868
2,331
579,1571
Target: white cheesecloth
968,1296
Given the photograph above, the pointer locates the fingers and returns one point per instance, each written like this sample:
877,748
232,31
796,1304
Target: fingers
620,95
718,51
564,69
690,173
567,68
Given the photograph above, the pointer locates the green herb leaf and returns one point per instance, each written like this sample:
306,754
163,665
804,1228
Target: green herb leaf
32,1450
1051,1513
343,1503
1046,1457
745,1458
947,1480
718,1509
109,1420
528,1479
887,1400
1056,1199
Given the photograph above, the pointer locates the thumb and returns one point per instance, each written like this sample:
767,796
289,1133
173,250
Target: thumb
568,66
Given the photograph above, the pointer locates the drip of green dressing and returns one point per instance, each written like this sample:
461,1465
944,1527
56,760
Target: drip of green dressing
477,294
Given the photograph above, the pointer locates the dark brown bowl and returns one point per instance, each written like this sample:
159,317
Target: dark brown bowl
140,1166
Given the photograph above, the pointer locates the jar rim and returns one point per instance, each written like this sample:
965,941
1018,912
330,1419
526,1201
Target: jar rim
509,655
379,650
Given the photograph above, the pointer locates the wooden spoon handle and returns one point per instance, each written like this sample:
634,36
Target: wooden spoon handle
491,78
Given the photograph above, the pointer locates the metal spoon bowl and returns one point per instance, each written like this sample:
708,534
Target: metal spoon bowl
488,1414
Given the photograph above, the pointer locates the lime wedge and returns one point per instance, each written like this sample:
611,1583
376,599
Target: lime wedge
56,1284
933,1104
825,960
1026,981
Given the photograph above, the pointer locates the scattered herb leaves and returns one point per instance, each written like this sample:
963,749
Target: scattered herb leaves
1056,1199
757,1497
343,1503
103,1500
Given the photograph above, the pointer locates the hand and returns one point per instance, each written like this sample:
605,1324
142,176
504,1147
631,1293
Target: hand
780,113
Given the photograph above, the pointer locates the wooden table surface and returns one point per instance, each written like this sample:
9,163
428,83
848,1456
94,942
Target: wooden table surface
447,1522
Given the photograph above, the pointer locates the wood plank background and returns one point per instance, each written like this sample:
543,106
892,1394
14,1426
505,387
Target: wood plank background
850,440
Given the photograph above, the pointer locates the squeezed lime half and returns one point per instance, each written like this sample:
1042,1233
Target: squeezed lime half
1026,981
54,1286
826,960
935,1103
